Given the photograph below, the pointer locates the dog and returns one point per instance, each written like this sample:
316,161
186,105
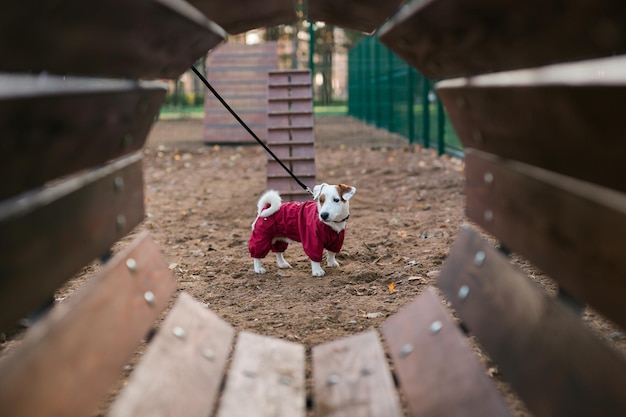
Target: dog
319,224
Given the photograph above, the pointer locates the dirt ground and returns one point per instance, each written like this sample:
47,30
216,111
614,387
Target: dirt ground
201,201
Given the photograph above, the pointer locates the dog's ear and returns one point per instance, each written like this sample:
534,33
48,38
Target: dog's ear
317,190
346,191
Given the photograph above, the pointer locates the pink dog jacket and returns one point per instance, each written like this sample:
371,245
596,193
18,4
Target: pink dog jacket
298,222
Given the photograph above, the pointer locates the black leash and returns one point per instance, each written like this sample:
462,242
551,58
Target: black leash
245,126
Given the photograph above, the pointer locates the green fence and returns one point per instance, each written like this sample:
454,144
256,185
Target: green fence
385,91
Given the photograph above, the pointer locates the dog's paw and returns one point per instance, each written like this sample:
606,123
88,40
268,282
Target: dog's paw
332,263
259,270
284,265
319,272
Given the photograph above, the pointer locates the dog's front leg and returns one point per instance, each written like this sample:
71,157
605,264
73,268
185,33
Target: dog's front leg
330,260
280,260
317,269
257,266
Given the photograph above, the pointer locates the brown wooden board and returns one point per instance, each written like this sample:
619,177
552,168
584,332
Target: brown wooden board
53,126
243,15
572,230
448,38
181,372
67,362
554,362
49,234
438,372
116,38
351,378
547,117
362,15
266,378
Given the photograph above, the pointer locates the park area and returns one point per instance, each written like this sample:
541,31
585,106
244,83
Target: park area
409,206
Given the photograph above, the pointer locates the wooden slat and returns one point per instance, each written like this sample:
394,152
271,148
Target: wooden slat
118,38
67,362
363,15
266,378
182,370
49,234
351,378
547,117
53,126
571,230
438,373
447,38
243,15
554,362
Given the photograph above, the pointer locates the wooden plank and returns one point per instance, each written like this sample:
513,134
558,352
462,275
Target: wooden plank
186,360
553,361
448,38
243,15
438,372
54,126
570,229
49,234
351,378
116,38
67,362
362,15
266,378
547,117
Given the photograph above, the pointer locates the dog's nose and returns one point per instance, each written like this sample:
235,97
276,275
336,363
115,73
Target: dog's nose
324,215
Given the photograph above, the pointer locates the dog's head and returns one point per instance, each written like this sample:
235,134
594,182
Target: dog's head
333,206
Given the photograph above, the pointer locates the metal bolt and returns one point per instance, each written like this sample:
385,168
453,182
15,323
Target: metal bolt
149,297
406,350
285,380
179,332
488,215
463,292
488,177
479,259
366,372
333,380
131,264
436,327
121,222
208,354
119,184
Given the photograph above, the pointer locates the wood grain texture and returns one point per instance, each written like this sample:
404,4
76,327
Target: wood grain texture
67,362
351,378
266,378
54,126
554,362
362,15
50,233
117,38
547,117
571,230
243,15
438,372
448,38
179,375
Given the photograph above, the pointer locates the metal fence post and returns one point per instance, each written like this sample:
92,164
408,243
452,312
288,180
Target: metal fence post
441,143
425,112
390,86
410,103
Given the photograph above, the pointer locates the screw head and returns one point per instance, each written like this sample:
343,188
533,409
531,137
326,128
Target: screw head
479,259
488,215
118,182
179,332
436,327
208,354
249,373
149,297
406,350
131,264
121,222
285,380
488,177
333,380
366,371
463,292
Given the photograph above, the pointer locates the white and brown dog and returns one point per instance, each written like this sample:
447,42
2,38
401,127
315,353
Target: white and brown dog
319,224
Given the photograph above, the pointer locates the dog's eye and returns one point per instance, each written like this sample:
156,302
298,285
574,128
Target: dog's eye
336,199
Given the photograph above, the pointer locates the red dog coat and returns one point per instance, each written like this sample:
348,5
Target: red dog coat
298,222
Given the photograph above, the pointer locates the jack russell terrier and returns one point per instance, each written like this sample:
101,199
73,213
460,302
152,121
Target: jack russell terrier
319,224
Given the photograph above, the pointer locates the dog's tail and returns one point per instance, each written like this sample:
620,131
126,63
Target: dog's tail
272,198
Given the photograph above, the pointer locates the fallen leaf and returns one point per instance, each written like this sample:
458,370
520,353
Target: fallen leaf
392,286
402,234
